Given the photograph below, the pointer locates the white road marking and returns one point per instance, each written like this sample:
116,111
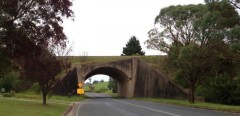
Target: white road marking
168,113
80,106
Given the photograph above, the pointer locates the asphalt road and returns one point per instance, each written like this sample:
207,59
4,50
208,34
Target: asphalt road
101,105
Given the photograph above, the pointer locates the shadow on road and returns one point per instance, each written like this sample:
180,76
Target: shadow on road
97,95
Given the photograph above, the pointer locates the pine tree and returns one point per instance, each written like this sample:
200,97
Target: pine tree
132,48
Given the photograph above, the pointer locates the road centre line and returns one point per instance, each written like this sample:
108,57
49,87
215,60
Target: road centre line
155,110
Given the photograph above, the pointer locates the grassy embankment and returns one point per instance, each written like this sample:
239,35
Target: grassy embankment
98,87
101,87
95,59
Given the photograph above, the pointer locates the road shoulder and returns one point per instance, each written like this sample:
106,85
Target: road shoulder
73,110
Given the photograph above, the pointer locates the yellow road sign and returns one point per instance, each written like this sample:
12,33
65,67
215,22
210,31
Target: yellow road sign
80,85
80,91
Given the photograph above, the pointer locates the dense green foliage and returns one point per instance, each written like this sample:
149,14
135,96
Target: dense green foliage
5,65
223,90
28,26
30,37
202,43
9,81
112,85
133,47
98,87
235,3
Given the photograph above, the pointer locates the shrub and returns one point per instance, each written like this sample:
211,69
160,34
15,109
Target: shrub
36,88
9,81
8,94
91,87
23,85
224,90
95,81
103,89
112,85
179,80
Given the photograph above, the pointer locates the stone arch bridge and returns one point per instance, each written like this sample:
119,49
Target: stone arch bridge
134,76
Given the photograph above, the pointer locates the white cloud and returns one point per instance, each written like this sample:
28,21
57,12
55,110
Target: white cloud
103,27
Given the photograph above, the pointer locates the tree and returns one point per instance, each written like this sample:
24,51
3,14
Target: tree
5,65
132,48
28,29
194,66
189,33
44,70
112,85
178,39
90,80
178,27
28,26
8,81
95,81
235,3
83,56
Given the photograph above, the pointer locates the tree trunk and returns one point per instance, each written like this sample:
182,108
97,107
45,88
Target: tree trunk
44,95
192,95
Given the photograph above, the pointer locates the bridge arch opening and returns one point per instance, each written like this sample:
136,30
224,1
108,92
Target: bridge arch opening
97,78
116,74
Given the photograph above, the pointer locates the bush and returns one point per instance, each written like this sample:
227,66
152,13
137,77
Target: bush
8,94
179,80
112,85
102,90
36,88
9,81
95,81
201,91
91,87
224,90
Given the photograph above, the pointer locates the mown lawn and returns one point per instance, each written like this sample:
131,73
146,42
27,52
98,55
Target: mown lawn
203,105
23,104
16,107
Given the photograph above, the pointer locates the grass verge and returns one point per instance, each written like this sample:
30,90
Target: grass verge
73,98
17,107
31,105
202,105
109,92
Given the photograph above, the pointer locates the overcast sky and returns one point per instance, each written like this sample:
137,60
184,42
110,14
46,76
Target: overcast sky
103,27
